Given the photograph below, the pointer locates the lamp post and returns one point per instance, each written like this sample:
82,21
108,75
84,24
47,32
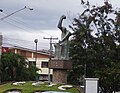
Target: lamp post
36,41
14,12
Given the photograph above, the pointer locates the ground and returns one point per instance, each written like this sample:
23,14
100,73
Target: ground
29,88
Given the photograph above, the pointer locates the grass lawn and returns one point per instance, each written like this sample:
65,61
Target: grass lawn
28,88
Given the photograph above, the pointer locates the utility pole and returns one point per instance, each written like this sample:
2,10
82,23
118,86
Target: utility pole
0,51
50,54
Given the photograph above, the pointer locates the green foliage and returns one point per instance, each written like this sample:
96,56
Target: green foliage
95,47
13,67
32,73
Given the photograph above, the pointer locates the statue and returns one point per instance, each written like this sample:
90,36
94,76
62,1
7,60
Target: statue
62,47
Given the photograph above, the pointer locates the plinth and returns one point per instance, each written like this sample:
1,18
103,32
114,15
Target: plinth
60,68
91,85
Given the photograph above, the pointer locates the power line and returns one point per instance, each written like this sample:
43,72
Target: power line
2,19
14,13
14,19
11,23
15,39
20,42
16,46
6,16
18,26
22,24
9,44
13,45
26,30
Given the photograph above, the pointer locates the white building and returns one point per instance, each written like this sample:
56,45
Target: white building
40,59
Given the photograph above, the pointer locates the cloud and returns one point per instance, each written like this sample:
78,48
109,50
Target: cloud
45,13
41,22
26,39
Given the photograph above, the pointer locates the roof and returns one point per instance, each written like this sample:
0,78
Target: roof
31,50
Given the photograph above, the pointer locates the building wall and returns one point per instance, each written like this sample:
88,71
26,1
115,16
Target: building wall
40,56
39,65
28,54
31,56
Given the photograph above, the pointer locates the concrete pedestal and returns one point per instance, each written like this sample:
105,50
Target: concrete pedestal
59,76
91,85
60,68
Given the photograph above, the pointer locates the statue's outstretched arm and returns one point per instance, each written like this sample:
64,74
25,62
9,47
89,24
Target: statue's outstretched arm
60,22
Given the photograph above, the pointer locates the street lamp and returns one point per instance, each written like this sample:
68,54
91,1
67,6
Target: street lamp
1,10
14,12
36,41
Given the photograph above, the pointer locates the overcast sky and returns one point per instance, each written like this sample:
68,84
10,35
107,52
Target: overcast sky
24,26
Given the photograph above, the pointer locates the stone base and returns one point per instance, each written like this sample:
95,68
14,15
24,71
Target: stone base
60,68
60,64
60,76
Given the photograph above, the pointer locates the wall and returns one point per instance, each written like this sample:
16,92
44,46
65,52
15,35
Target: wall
31,55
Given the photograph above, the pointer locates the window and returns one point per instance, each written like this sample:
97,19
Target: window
32,63
44,65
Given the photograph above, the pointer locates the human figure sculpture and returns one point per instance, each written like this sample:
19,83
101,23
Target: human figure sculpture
62,48
57,50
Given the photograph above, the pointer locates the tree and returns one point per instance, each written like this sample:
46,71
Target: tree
14,68
95,46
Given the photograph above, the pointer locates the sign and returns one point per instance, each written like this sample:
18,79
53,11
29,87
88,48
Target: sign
5,49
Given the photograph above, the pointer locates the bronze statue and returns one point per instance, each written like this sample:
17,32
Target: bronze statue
62,48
